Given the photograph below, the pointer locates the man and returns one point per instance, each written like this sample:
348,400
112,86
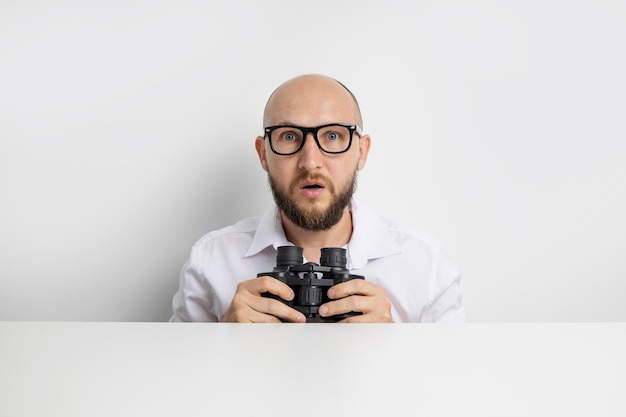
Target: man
312,169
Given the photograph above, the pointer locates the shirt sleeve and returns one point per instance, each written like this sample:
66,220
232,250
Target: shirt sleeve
446,305
193,301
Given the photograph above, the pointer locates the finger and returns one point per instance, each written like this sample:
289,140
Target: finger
257,309
358,318
271,285
275,308
373,308
348,304
249,315
352,287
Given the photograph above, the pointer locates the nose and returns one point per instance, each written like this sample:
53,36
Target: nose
310,154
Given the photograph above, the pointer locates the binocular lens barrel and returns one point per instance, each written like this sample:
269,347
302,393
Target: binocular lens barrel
289,255
333,257
292,255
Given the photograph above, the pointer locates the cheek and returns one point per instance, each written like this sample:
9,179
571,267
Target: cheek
270,162
342,173
281,170
349,165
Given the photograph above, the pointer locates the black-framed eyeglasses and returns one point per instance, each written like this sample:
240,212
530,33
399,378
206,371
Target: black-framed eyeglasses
333,138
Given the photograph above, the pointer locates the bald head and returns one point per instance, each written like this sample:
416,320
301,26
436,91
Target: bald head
312,100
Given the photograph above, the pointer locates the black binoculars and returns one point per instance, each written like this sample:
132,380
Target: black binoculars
310,281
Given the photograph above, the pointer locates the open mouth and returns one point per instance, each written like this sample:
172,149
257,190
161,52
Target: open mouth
312,189
312,186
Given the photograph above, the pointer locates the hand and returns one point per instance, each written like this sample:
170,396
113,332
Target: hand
360,296
248,306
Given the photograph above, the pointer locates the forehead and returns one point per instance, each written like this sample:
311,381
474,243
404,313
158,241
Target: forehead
310,101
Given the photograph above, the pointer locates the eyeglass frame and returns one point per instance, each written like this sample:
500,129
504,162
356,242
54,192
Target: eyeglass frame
353,128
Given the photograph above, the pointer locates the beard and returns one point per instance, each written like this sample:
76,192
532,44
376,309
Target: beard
309,218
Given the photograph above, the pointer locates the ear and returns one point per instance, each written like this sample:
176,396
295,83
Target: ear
259,144
364,150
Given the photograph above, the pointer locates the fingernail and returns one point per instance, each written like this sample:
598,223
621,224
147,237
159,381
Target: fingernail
331,293
323,310
301,319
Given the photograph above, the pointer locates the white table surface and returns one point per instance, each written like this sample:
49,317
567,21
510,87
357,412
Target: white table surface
147,369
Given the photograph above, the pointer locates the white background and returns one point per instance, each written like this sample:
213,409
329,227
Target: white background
127,131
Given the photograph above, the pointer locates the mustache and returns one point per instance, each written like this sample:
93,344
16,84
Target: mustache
305,176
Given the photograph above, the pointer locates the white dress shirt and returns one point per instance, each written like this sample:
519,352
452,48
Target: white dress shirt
421,281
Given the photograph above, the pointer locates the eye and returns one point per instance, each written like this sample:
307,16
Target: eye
288,136
332,136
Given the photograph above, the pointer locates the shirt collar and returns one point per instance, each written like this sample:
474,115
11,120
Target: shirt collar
370,236
269,233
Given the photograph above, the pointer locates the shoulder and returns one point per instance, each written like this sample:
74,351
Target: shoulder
379,237
408,233
379,227
241,231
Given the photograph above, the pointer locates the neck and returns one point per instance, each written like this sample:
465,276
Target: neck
313,241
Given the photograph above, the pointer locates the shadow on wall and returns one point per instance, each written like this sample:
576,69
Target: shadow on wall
221,187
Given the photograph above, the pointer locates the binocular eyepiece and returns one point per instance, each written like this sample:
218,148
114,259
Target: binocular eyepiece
310,281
